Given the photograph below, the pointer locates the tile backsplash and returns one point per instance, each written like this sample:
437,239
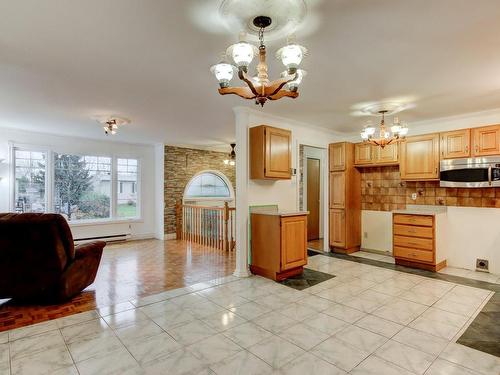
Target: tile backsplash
383,190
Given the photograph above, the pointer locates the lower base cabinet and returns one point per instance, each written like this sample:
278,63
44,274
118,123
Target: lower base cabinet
278,244
415,241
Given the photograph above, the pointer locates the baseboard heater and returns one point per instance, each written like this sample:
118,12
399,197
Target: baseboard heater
110,238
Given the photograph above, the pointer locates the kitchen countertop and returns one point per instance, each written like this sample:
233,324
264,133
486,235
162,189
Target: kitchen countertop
281,213
422,210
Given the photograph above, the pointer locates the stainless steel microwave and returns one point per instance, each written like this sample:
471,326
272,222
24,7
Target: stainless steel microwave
470,172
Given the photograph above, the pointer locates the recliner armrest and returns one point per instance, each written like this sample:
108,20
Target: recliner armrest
89,249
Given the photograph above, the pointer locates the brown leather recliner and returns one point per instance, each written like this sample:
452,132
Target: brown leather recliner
38,259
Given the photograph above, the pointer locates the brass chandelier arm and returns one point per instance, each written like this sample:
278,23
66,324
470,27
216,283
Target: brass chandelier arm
243,92
284,93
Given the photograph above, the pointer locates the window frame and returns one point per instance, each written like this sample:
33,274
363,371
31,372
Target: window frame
50,181
222,176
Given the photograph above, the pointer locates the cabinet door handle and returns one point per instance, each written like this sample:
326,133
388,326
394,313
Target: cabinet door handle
467,149
477,148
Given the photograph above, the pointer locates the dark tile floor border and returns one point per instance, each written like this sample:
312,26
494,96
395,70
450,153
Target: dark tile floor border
483,333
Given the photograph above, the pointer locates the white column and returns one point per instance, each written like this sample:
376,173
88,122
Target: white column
241,131
159,190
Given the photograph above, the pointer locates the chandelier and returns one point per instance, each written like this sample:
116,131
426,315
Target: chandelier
397,133
231,157
259,88
110,123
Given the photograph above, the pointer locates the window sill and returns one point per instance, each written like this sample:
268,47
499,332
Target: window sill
84,223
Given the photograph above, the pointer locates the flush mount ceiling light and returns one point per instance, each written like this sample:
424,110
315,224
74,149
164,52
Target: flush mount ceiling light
110,124
231,157
259,87
397,132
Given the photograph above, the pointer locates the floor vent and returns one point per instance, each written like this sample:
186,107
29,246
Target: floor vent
482,265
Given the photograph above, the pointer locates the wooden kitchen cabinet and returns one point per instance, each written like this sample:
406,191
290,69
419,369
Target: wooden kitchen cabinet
363,154
337,154
486,140
455,144
416,241
337,190
368,155
345,200
337,228
419,159
270,153
387,155
278,244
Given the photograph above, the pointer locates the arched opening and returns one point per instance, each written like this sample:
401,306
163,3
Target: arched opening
209,187
207,214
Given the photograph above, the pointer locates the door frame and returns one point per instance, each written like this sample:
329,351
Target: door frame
322,155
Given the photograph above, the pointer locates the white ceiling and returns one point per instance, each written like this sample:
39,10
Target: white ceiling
62,62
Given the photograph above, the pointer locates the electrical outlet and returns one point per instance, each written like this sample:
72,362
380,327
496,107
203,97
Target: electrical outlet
482,265
365,234
414,196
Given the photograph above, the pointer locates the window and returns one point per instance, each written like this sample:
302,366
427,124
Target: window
82,186
207,185
127,195
29,190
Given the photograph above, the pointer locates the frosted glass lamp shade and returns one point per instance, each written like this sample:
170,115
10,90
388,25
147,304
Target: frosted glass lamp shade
242,54
223,72
294,85
291,56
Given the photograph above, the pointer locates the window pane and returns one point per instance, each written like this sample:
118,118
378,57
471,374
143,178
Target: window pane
127,191
29,190
207,185
82,186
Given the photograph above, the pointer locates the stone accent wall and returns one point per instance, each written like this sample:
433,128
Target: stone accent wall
181,164
383,190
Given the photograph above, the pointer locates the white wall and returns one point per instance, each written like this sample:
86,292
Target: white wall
284,193
376,230
146,227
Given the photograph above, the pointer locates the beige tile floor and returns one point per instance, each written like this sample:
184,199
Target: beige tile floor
469,274
366,320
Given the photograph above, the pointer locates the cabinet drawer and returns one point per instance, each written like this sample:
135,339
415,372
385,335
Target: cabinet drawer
413,220
413,254
413,231
414,242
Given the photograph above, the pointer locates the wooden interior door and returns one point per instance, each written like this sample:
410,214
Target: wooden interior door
486,140
455,144
337,228
293,242
278,153
313,198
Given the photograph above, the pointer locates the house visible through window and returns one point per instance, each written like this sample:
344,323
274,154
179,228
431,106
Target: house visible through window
127,170
30,170
79,187
207,185
82,186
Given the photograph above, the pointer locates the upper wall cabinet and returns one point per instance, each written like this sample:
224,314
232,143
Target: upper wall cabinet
270,153
368,155
486,140
337,156
455,144
420,158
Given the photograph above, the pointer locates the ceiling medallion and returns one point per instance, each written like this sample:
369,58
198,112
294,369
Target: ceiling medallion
397,132
259,88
